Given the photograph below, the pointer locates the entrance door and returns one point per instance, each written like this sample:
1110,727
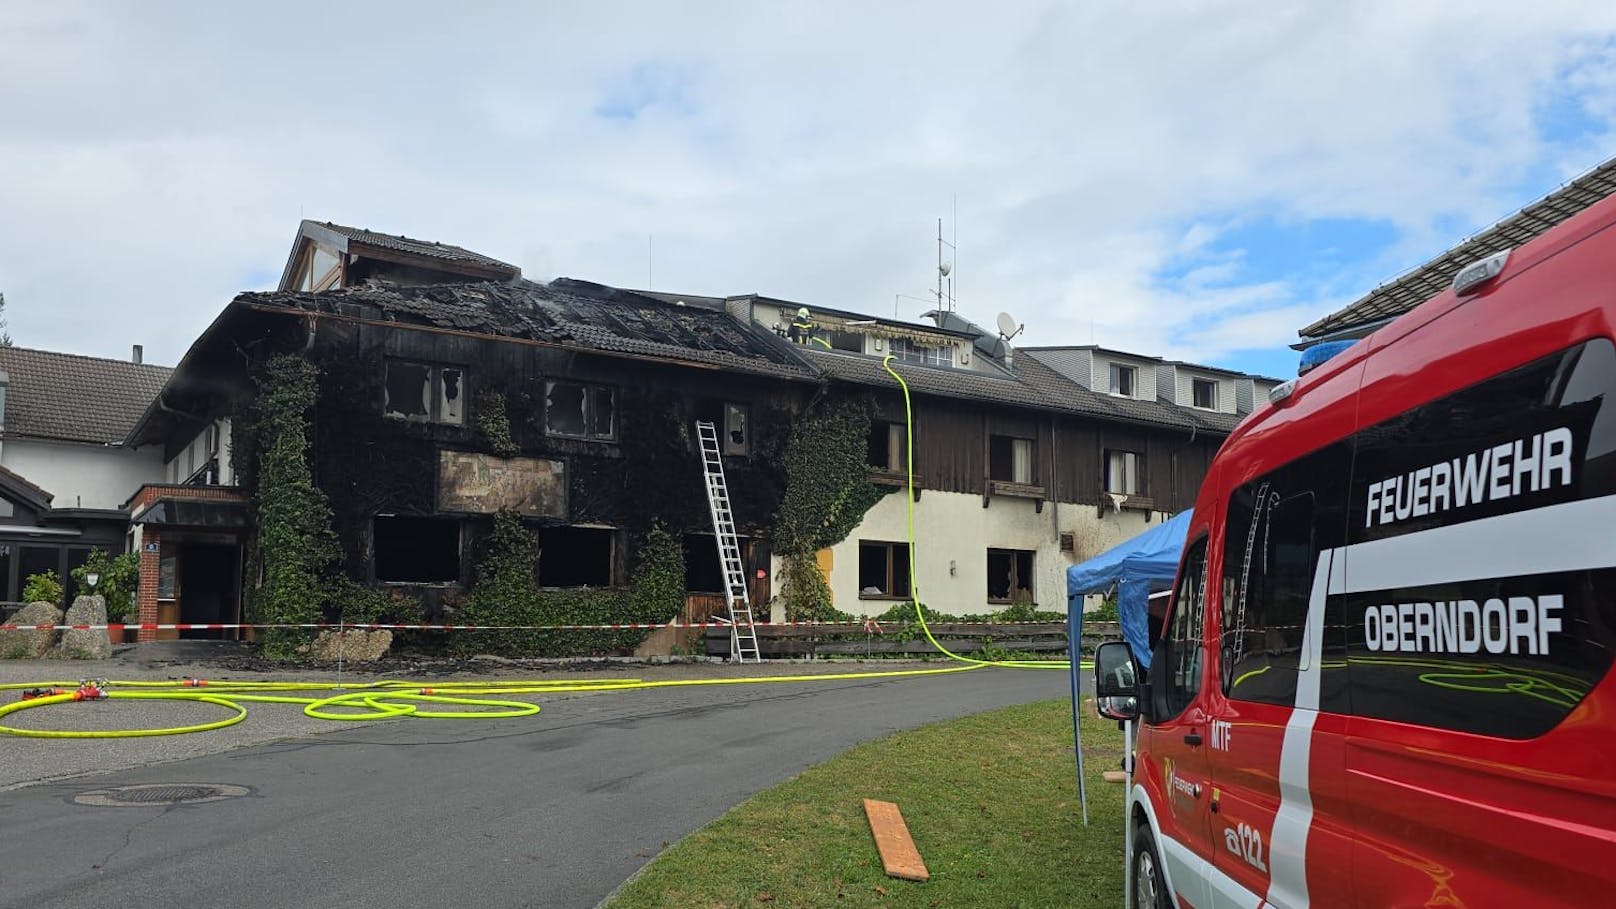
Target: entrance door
209,588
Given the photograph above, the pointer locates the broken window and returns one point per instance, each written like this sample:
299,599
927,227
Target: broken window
1204,394
1010,577
415,550
576,557
737,429
887,448
1010,459
435,394
852,342
1122,472
580,411
883,569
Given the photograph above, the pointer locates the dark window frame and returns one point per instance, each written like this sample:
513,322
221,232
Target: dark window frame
1211,387
590,407
436,401
994,459
1029,583
894,442
892,550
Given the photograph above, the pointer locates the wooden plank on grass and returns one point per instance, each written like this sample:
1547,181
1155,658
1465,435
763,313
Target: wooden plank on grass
898,852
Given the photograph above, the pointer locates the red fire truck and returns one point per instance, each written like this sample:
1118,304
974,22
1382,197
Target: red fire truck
1384,678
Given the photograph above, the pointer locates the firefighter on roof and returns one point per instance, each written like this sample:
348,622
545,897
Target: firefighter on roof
802,327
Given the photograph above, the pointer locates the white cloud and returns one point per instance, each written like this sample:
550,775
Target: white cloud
154,160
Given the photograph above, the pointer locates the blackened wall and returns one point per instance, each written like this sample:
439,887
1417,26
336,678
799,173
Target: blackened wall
370,464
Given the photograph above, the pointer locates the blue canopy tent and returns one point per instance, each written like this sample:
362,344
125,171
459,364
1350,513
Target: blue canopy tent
1135,569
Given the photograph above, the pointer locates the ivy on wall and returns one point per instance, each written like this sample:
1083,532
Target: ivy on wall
295,543
506,592
827,494
494,423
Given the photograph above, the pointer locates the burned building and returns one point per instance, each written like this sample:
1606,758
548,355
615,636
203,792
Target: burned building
437,405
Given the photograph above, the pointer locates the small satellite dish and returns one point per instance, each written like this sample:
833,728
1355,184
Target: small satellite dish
945,268
1008,327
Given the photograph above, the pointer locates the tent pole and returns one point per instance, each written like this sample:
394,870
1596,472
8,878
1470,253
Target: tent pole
1074,634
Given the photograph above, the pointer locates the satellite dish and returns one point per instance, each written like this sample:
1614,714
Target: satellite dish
945,268
1008,326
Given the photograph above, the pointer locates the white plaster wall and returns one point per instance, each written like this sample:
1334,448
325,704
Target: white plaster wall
195,452
83,476
953,533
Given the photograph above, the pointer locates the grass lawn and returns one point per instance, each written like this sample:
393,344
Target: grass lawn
990,800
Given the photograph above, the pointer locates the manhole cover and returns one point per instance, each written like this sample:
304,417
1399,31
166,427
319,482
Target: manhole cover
159,794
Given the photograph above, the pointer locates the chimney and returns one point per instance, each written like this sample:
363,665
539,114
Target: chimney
138,355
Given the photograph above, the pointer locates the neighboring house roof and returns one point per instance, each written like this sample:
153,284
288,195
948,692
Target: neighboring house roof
1110,351
1417,285
1034,385
426,248
566,312
73,398
24,491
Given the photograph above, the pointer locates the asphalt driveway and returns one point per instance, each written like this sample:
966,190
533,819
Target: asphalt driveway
553,810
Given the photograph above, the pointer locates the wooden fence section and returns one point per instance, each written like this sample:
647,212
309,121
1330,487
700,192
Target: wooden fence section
852,639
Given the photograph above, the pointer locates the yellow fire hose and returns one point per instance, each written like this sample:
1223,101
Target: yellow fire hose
397,699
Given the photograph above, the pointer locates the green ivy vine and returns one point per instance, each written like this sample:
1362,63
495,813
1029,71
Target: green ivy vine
295,546
827,494
506,592
494,423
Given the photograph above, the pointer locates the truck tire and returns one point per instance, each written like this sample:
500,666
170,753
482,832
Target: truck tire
1145,875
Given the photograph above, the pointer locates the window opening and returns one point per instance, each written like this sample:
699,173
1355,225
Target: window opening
580,411
416,550
908,351
1123,380
1182,645
575,557
1010,459
1010,577
702,574
1204,394
887,448
737,429
883,570
1122,472
417,391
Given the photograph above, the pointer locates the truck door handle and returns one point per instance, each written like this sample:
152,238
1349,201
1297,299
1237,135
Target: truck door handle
1192,738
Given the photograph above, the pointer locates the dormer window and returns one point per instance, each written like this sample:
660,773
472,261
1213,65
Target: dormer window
908,351
1204,394
1124,380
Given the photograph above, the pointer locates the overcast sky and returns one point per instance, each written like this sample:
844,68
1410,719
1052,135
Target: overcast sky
1195,180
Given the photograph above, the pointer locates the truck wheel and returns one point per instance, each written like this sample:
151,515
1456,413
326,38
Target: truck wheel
1149,889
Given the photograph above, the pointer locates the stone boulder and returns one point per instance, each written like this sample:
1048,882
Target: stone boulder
353,645
29,643
86,645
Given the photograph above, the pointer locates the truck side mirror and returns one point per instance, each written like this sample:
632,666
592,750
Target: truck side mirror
1115,682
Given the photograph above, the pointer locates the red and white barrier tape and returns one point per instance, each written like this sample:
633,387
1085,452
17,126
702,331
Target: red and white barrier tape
363,626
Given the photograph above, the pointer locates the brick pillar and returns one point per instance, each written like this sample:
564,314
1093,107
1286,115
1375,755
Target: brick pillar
151,544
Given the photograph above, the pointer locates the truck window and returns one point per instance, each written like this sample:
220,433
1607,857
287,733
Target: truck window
1277,526
1182,642
1261,638
1496,613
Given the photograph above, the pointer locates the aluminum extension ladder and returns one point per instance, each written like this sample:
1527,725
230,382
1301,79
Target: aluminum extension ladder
743,642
